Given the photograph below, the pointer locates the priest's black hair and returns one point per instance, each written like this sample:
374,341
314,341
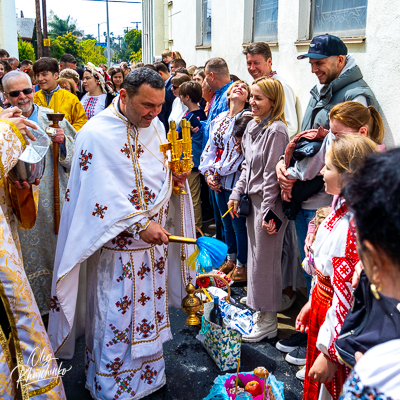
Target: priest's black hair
139,77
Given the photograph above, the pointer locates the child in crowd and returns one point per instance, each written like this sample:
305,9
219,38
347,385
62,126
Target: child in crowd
168,56
190,94
335,257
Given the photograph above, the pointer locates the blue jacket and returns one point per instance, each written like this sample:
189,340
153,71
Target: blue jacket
219,105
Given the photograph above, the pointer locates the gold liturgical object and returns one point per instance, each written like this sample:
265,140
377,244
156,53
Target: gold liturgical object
181,151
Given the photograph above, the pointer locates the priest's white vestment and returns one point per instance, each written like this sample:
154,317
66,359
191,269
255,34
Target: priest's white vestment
119,183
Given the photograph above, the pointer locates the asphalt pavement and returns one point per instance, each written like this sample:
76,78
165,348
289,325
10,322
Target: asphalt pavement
190,371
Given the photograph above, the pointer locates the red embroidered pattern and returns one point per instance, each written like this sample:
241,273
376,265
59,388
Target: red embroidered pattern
99,211
123,386
342,277
114,366
84,164
160,265
149,375
334,218
121,242
96,385
143,299
144,270
67,195
123,304
54,304
159,293
160,317
90,106
126,271
119,336
144,329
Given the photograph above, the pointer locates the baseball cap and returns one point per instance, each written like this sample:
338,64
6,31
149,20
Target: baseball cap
324,46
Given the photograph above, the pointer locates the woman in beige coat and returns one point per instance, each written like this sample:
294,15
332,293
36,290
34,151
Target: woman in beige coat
263,142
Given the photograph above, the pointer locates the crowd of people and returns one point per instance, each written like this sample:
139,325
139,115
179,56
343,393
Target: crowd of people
326,198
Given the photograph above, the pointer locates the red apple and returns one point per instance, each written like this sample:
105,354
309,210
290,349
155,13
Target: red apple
254,388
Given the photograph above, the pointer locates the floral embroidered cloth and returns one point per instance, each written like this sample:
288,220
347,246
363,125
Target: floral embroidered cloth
119,182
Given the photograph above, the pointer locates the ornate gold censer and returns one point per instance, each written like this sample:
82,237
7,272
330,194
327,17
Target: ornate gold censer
181,151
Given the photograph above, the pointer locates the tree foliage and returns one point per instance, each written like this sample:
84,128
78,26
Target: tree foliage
89,52
69,44
136,57
25,50
60,27
133,39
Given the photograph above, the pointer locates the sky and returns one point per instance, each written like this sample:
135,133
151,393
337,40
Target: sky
88,14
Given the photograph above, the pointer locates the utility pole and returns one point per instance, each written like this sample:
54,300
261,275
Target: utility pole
108,38
137,24
46,48
39,30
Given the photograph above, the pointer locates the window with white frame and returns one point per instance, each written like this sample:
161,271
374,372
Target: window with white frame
206,22
265,27
343,18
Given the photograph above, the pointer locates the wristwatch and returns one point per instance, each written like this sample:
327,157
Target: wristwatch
52,132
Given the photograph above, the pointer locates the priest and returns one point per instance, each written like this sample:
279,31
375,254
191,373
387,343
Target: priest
38,243
117,215
23,337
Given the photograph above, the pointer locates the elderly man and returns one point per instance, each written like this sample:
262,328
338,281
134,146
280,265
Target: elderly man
14,63
117,204
18,310
39,243
125,68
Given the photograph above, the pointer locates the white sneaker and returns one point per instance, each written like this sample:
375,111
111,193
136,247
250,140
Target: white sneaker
287,302
265,326
243,300
301,373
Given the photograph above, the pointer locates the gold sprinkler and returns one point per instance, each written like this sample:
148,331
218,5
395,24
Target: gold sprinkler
181,151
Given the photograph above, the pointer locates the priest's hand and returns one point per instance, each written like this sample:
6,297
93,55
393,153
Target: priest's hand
180,178
154,234
323,370
23,185
60,137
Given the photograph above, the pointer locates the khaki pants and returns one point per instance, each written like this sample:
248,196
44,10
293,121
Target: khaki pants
194,184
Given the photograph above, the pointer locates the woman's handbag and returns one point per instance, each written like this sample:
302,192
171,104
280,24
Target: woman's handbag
370,322
245,201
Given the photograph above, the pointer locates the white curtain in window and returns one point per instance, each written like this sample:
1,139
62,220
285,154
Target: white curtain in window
265,21
206,22
339,17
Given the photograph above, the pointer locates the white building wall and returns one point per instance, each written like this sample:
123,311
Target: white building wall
8,27
378,57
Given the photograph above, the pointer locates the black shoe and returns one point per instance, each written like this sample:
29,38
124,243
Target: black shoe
292,343
298,356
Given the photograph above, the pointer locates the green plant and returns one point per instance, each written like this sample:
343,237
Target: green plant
89,52
136,57
25,50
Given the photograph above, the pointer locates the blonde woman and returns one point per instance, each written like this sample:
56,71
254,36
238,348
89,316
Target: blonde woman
264,140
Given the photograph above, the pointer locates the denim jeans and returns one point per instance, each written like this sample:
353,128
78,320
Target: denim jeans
302,220
219,230
234,229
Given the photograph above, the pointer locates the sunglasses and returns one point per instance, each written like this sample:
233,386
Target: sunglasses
175,87
15,93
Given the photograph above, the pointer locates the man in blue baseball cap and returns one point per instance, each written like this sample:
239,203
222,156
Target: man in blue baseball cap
340,79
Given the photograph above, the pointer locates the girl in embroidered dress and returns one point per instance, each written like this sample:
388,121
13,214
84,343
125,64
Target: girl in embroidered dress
220,162
99,93
335,257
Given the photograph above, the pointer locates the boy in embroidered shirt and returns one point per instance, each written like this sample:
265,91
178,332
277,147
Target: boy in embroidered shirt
190,94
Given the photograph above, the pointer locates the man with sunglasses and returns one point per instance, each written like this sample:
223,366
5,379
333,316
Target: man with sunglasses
52,96
38,244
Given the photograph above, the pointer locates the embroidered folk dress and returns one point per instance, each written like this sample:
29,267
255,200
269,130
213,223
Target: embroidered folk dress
335,256
17,298
38,244
93,104
220,157
119,182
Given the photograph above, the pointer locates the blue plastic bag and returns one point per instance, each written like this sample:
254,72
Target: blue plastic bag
218,391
